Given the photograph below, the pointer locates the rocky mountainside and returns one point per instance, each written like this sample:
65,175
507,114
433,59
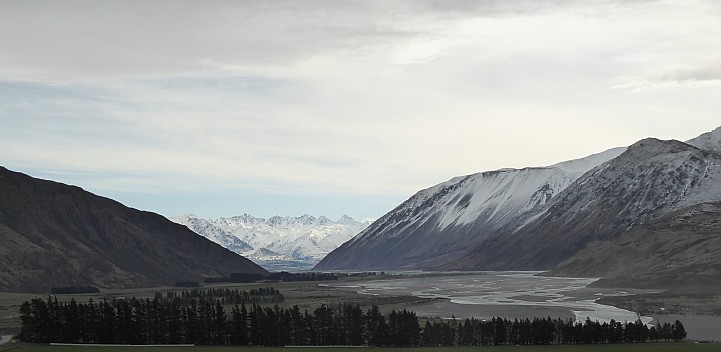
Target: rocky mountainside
680,249
58,235
647,181
535,218
302,240
441,223
708,141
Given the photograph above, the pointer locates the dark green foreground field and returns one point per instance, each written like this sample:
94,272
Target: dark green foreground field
645,347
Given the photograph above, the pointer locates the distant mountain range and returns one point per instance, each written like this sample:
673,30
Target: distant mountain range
277,242
55,235
538,218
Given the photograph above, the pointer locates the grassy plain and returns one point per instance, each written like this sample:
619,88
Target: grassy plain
645,347
310,295
307,295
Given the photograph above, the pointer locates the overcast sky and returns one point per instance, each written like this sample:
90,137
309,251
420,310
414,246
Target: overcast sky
220,108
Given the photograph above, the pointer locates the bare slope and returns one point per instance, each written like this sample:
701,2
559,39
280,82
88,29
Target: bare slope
681,249
53,234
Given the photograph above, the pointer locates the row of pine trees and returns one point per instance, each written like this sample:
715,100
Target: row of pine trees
226,296
206,322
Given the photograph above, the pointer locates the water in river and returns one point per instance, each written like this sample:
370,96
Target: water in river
505,294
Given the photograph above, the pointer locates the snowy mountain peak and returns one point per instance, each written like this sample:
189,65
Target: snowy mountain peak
347,220
708,141
583,165
247,219
306,219
322,220
653,146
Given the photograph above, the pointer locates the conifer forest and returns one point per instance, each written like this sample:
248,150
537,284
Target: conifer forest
232,317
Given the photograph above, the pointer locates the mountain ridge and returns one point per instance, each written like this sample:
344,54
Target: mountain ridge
651,178
590,199
449,217
59,235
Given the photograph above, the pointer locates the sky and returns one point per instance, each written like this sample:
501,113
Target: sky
220,108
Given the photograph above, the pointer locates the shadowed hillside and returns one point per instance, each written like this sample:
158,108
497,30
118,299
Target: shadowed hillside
681,249
52,234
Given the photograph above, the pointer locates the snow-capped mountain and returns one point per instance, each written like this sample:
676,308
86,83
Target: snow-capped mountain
650,179
440,223
708,141
213,233
300,241
534,218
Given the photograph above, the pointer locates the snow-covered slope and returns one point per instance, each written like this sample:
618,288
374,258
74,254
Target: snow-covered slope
304,239
440,223
708,141
213,233
649,180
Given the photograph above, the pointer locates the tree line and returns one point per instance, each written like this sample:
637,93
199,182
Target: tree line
275,276
226,296
544,331
205,322
65,290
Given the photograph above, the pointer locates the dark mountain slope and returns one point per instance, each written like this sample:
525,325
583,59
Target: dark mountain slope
649,180
681,249
53,234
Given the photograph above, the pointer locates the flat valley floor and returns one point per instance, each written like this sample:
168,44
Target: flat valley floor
437,296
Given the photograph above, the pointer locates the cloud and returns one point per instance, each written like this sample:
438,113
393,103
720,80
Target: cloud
700,77
328,97
71,41
76,40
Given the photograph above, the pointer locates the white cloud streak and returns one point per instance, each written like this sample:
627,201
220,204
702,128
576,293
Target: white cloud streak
359,97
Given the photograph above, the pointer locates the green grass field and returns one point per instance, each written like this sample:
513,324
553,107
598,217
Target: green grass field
649,347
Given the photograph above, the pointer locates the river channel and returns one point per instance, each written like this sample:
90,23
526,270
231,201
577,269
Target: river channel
500,294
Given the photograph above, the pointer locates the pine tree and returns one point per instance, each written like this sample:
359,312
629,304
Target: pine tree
219,324
376,327
679,332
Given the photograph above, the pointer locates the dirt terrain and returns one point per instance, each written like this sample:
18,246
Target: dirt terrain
677,302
